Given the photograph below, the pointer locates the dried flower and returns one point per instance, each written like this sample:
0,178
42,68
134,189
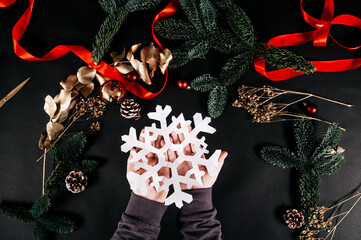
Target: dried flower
259,103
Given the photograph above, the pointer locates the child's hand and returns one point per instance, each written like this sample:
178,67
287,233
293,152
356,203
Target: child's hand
152,193
183,168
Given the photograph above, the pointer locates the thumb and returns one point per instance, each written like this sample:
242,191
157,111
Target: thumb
221,159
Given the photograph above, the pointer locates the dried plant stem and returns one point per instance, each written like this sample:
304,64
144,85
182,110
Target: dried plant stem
57,139
333,230
322,98
44,162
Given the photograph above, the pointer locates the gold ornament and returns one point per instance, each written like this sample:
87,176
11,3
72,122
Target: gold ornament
112,91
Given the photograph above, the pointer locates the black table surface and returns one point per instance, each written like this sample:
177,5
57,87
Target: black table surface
250,195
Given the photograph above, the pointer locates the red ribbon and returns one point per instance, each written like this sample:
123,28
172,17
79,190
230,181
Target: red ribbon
83,53
319,38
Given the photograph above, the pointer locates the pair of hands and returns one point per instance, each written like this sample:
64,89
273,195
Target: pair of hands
183,168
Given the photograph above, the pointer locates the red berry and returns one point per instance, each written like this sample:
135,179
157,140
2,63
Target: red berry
182,84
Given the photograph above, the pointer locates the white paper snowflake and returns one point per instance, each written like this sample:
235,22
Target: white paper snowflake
200,147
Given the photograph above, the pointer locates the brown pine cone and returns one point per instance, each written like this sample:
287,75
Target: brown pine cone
76,182
294,218
130,109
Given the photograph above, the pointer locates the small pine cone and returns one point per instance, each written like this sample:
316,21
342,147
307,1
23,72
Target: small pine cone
130,109
76,182
294,218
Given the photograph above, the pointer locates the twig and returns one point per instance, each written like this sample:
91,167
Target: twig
44,161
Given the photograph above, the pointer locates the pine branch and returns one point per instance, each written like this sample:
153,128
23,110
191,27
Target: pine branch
188,51
89,165
57,177
241,24
20,213
41,206
75,148
282,58
175,29
304,136
235,68
204,83
217,100
108,6
39,233
190,9
280,157
106,33
330,165
225,42
209,15
309,185
139,5
58,224
330,139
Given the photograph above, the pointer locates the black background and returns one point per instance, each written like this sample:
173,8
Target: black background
250,195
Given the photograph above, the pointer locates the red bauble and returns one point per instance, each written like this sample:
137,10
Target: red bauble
133,76
310,107
182,84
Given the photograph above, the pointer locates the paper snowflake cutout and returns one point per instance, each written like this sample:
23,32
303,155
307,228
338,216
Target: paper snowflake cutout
200,147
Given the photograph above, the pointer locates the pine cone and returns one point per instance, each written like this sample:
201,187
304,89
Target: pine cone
130,109
76,182
294,218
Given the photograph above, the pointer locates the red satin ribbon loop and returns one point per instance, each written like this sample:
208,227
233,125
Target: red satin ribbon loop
319,38
80,51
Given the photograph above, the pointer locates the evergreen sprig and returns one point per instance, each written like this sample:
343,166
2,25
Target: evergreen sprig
225,27
118,11
37,215
312,160
67,160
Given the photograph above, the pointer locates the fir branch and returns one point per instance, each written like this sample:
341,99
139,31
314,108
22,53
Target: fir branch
58,224
282,58
89,165
106,33
139,5
108,6
39,232
241,24
217,99
308,185
304,136
175,29
234,68
17,212
280,157
188,51
225,42
41,206
329,165
204,83
75,148
209,15
57,177
190,9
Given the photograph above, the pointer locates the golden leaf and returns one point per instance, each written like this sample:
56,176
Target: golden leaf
63,99
117,57
50,106
123,68
141,69
165,58
86,75
86,90
101,79
53,129
133,49
150,55
69,83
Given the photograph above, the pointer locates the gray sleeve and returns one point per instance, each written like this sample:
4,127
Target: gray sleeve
141,219
197,220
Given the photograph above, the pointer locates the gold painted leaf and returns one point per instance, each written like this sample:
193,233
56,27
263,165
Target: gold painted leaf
124,68
86,75
86,90
54,129
133,49
69,83
165,58
63,99
50,106
117,57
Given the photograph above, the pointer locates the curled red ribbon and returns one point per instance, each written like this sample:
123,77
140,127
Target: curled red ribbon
80,51
319,38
